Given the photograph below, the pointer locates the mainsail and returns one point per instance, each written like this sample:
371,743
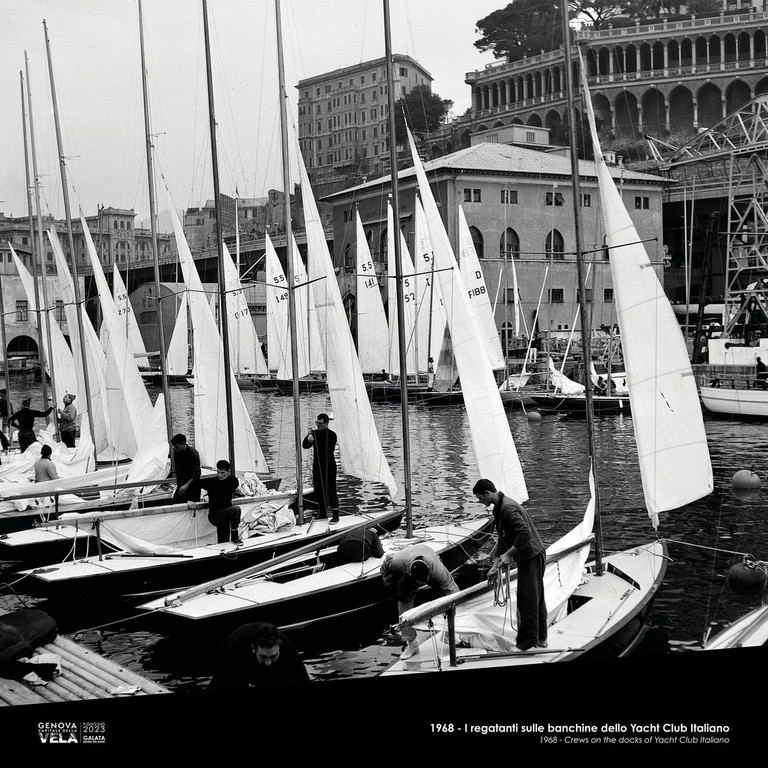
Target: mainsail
669,430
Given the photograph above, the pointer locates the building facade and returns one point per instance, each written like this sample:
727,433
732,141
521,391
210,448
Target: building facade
343,118
669,79
519,207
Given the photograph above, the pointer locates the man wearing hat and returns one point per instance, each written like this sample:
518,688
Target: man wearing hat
24,421
67,425
404,573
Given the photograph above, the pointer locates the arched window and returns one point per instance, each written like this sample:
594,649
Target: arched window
555,245
509,244
477,241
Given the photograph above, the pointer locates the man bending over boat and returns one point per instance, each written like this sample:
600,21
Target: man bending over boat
404,573
519,543
186,466
221,511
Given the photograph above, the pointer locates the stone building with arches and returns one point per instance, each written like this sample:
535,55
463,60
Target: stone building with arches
672,78
519,207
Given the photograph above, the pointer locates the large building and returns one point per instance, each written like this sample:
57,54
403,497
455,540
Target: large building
669,79
343,119
519,206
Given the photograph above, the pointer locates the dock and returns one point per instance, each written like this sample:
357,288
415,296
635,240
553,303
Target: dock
85,676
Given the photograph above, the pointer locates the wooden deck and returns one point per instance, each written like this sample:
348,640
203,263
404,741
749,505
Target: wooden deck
85,676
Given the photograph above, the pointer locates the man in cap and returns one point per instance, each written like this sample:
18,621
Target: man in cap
404,573
67,424
24,421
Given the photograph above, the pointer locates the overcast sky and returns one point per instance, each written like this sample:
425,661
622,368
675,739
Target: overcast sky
96,63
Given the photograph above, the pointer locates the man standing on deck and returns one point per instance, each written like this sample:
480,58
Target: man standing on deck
186,465
404,573
323,440
221,511
67,421
519,543
24,421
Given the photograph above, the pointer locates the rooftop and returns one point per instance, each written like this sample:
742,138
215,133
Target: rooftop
509,160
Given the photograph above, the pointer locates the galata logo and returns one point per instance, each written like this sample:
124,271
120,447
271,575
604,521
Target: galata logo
58,733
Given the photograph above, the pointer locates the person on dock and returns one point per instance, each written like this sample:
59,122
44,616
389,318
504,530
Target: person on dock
323,440
762,373
404,573
601,388
24,421
357,546
257,655
45,469
5,410
67,421
221,512
430,374
519,543
186,465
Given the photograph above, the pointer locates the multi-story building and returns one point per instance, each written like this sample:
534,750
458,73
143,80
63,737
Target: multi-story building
670,78
519,207
343,119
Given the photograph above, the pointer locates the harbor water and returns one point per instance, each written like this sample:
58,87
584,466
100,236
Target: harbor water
705,538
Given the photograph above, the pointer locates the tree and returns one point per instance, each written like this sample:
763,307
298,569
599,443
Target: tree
523,28
599,12
424,110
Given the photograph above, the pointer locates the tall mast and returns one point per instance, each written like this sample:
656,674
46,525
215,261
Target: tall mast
223,313
583,315
40,241
153,226
70,235
34,252
289,260
398,273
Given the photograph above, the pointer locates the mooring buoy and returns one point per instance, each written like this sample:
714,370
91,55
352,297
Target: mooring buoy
534,416
745,478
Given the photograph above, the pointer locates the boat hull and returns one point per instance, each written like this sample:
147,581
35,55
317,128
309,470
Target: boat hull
606,617
328,594
750,631
735,403
578,403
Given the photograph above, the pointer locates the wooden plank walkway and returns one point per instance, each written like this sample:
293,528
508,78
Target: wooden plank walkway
85,676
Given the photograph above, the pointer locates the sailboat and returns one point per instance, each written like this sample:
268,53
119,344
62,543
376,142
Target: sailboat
748,631
592,605
315,585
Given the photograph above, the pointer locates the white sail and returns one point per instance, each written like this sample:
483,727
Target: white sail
130,408
478,293
107,443
495,451
244,349
372,330
359,444
177,355
409,302
562,383
59,358
211,432
278,341
430,310
666,414
125,311
307,333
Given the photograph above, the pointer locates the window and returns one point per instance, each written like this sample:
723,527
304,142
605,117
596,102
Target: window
586,200
530,137
362,79
509,196
114,224
317,91
555,295
608,295
22,311
327,89
642,203
373,77
555,246
403,72
58,312
554,198
589,295
509,244
467,195
476,196
477,241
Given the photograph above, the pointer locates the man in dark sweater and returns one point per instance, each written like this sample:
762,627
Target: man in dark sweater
357,546
186,466
257,655
24,421
519,542
221,511
323,440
